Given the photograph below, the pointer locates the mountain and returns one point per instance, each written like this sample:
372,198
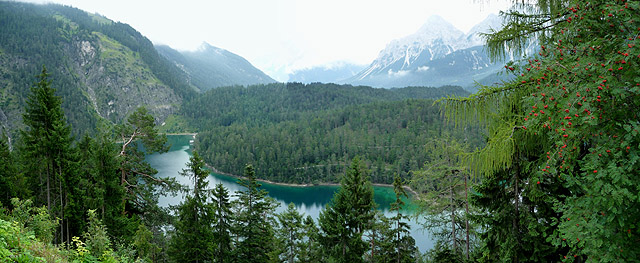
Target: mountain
103,70
437,54
211,67
334,73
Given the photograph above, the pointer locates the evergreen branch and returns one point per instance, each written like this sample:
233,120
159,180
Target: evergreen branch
124,145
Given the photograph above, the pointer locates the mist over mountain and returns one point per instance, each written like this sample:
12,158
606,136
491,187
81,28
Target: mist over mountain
211,67
437,54
335,73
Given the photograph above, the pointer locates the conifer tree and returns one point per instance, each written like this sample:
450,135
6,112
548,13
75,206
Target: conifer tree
443,201
48,153
402,243
223,220
310,249
290,232
137,176
347,216
193,227
254,221
12,183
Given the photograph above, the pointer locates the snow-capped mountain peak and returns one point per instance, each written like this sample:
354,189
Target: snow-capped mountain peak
491,22
435,39
438,53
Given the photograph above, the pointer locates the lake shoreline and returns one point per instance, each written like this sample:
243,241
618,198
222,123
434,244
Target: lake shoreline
213,169
412,192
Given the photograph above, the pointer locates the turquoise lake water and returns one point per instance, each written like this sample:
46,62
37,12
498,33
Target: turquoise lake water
308,200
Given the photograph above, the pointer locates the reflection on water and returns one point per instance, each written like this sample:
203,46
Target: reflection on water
308,200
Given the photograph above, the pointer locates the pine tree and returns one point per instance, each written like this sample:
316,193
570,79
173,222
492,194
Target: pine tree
137,178
195,218
254,221
223,220
349,214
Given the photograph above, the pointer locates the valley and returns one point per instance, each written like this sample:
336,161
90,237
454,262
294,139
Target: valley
513,140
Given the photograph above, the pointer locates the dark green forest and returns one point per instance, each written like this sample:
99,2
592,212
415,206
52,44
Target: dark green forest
540,168
299,133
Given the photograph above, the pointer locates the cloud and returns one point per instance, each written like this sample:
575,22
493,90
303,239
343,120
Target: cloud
400,73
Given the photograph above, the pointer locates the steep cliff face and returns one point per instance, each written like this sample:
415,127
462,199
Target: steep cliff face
116,80
103,70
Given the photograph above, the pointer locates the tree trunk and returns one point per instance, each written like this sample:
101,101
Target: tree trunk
517,212
466,216
61,210
48,188
453,216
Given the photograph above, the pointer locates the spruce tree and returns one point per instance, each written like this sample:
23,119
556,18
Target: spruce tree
221,248
310,249
290,232
347,216
254,221
12,183
195,218
48,154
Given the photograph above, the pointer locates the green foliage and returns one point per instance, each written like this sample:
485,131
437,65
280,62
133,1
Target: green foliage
310,249
344,221
195,216
571,130
12,182
221,249
290,232
15,244
402,247
48,153
37,220
443,195
305,133
97,240
146,250
254,221
136,175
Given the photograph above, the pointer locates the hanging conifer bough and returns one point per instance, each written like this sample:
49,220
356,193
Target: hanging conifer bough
573,104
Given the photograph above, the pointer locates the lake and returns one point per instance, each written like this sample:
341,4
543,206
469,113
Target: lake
309,200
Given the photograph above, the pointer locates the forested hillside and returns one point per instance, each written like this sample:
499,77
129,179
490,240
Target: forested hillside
102,69
307,133
95,200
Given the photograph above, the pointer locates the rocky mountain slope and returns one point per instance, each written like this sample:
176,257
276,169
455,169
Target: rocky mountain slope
102,69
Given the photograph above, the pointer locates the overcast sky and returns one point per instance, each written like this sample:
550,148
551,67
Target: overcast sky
280,36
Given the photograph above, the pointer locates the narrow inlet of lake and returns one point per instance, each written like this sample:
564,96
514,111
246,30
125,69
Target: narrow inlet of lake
309,200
